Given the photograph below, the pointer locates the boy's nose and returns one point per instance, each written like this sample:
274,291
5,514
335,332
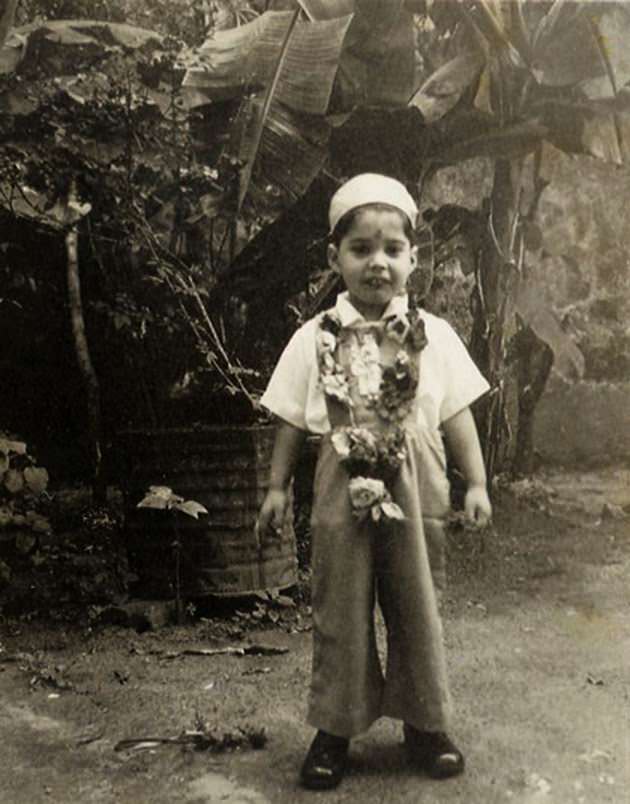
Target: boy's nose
378,260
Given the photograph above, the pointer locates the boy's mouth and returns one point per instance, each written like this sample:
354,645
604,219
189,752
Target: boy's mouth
376,282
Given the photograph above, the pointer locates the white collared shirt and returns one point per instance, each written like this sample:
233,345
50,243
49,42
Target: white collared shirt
449,380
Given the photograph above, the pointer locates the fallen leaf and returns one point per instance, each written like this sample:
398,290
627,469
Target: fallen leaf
594,755
90,736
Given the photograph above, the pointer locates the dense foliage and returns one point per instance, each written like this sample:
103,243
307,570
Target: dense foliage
183,181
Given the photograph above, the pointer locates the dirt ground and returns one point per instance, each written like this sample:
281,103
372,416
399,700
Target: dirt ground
537,625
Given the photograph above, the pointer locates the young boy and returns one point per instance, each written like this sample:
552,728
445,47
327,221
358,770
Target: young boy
377,379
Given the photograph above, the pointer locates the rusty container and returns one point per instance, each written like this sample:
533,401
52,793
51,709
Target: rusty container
226,469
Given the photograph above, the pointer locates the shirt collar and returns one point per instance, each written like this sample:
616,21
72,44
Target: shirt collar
349,315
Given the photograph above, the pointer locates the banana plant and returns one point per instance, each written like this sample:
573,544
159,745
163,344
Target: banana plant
490,78
525,75
281,66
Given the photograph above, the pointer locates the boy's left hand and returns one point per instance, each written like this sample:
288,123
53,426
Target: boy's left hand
477,506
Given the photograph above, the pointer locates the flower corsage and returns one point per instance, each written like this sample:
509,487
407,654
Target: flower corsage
372,458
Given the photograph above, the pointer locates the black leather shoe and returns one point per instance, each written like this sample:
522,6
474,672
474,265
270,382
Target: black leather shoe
433,752
325,762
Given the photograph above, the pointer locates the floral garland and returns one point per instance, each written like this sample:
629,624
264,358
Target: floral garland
371,459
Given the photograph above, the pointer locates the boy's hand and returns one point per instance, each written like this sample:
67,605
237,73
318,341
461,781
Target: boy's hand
272,511
477,506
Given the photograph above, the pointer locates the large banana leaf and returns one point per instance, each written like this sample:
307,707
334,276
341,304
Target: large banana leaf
291,151
327,9
260,118
443,89
613,36
377,65
598,128
244,58
568,359
566,51
505,142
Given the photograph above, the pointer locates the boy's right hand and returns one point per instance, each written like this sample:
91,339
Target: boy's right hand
273,511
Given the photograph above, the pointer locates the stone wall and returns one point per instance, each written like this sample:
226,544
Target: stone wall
582,268
584,219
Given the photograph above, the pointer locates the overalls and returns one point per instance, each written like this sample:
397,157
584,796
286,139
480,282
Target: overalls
400,564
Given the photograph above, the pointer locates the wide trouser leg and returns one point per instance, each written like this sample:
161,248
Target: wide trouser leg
347,682
350,562
435,539
416,688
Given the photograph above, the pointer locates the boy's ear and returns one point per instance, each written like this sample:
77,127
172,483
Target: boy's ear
333,254
413,256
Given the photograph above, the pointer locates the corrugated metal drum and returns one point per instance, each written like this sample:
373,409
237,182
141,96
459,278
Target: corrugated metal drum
226,469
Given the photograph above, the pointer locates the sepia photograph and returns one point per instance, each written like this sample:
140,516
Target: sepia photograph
314,401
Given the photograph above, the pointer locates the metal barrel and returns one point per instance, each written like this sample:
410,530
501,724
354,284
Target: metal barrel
226,469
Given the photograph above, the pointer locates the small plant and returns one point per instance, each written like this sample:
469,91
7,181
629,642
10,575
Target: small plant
162,498
23,487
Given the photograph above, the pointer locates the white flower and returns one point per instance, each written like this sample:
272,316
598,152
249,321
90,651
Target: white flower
365,492
327,363
365,366
335,385
341,442
402,358
363,436
370,382
390,510
355,442
397,328
326,342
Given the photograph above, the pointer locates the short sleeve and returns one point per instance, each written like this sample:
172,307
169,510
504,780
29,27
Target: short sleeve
462,382
286,395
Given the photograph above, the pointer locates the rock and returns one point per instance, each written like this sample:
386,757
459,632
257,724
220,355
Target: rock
143,615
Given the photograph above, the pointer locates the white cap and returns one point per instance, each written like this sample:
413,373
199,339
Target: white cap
371,188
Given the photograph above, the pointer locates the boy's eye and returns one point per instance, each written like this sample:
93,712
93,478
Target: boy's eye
394,251
360,250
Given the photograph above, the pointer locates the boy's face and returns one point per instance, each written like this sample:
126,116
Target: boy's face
374,258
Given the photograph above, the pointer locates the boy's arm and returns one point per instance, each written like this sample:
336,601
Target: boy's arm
288,442
461,434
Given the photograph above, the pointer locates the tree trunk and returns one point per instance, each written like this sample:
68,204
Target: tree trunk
83,358
7,16
535,360
497,282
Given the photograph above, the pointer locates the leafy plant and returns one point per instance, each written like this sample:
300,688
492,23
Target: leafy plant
529,74
162,498
99,146
496,79
127,113
23,496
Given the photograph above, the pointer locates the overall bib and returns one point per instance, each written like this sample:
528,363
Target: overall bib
399,564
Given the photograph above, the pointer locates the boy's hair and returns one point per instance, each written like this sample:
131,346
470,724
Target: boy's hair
344,223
